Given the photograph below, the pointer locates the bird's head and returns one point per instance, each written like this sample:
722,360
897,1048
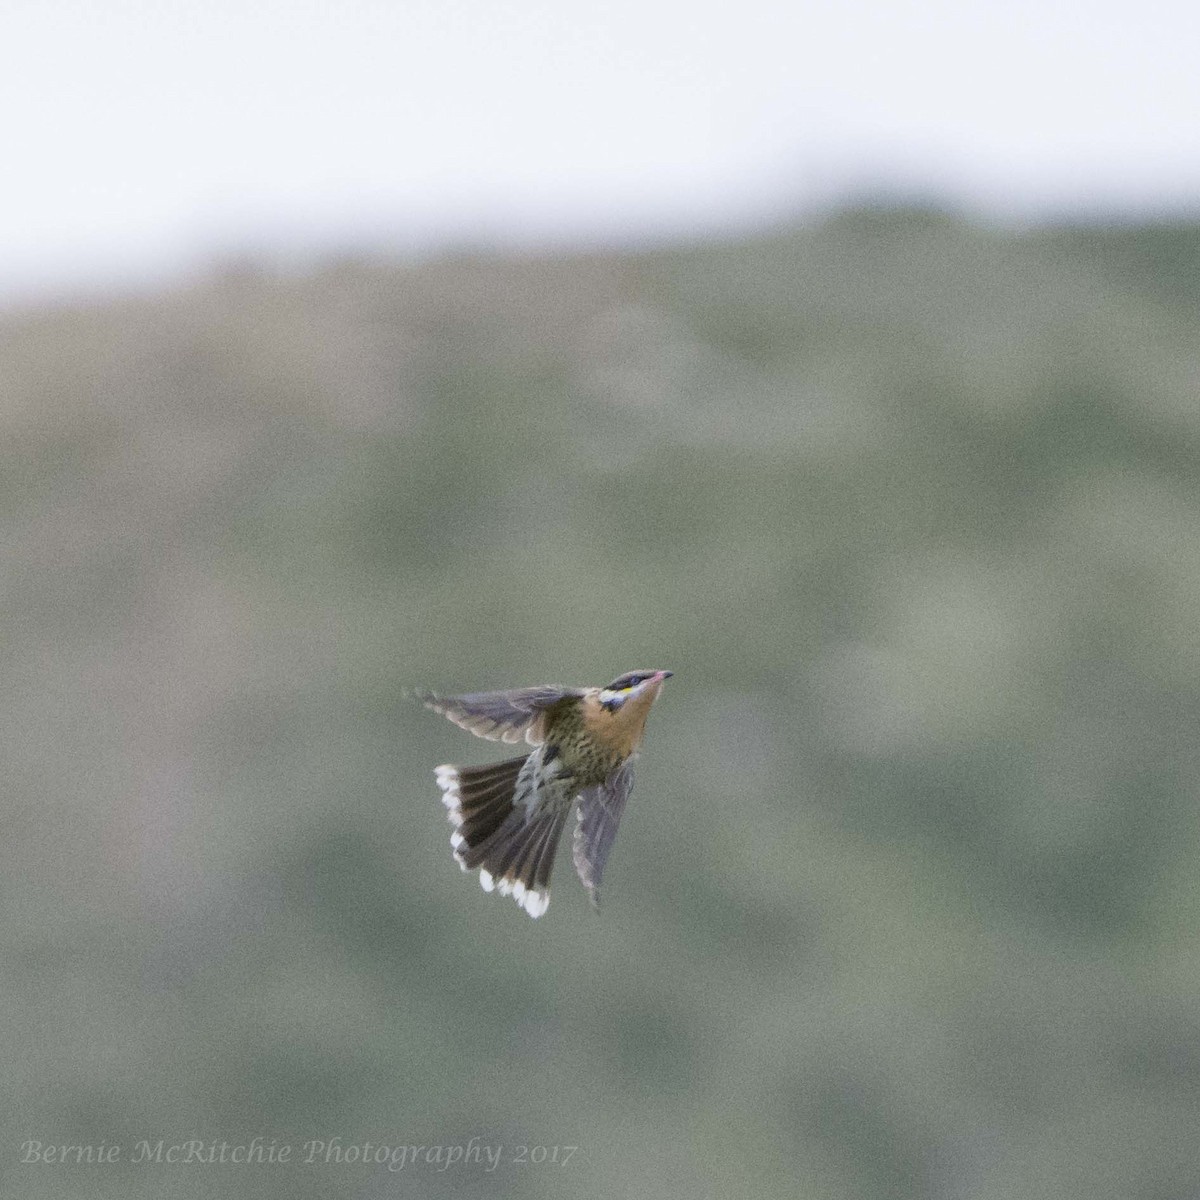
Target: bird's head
639,686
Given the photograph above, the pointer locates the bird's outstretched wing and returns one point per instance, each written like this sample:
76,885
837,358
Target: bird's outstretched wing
502,716
600,810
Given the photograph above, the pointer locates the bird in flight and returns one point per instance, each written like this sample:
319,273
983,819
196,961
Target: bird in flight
508,816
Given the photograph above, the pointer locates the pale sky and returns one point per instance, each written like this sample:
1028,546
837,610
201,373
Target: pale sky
141,138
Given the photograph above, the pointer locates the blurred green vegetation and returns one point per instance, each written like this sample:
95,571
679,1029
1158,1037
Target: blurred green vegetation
905,902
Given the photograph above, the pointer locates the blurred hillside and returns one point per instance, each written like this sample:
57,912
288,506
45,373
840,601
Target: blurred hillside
905,901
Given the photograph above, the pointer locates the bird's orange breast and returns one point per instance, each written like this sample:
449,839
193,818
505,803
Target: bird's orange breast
619,731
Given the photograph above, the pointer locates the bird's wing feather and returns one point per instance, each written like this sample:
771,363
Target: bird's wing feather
600,810
502,716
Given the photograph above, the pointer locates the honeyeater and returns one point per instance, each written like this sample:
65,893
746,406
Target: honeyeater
508,816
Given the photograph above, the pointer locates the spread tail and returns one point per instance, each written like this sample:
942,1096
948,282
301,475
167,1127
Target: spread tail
512,844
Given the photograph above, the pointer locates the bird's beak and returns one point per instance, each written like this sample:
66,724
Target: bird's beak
661,675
